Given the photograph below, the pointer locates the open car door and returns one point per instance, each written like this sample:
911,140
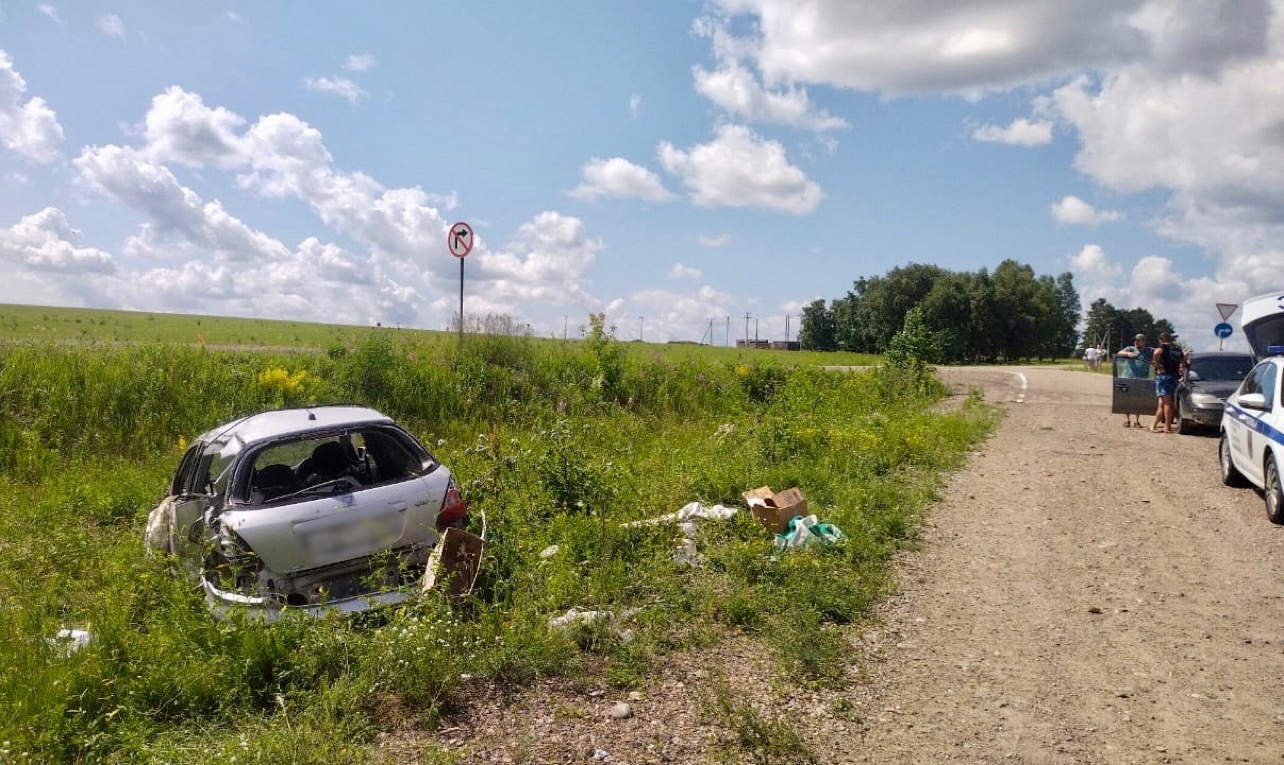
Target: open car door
1133,390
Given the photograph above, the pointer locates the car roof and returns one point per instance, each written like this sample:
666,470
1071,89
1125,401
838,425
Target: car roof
284,422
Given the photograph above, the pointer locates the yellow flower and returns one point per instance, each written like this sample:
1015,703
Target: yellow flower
280,380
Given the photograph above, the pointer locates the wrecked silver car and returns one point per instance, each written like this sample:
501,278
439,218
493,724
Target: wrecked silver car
310,509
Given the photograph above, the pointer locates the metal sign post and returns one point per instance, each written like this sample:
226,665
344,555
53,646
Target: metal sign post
460,242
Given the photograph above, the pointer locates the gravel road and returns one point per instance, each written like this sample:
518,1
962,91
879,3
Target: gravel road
1083,593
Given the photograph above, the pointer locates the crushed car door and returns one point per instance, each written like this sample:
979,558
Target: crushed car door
1133,390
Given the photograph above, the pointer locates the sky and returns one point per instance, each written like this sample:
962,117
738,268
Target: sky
677,165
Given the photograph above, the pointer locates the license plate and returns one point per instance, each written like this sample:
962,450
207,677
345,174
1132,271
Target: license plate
348,540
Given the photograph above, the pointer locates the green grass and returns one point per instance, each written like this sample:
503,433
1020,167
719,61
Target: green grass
558,443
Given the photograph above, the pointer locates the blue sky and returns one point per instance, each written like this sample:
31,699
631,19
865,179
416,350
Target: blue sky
668,163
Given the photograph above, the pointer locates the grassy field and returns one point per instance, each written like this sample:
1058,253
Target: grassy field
559,443
39,324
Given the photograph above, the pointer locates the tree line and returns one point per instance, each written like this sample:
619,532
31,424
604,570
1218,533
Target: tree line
940,316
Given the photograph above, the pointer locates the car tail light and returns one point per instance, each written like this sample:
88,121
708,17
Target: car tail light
453,508
236,552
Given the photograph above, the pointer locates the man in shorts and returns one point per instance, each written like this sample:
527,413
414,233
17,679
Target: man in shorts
1135,364
1170,362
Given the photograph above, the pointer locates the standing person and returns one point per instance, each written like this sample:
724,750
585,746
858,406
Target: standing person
1137,365
1090,356
1169,361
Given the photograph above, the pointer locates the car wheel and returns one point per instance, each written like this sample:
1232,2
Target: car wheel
1230,474
1274,497
1185,425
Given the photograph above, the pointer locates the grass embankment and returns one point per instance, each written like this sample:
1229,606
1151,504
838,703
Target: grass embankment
558,444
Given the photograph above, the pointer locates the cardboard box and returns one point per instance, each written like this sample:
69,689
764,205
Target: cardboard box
775,509
455,560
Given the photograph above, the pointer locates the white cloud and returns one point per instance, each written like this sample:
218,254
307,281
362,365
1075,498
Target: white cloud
680,271
1074,211
617,177
1092,266
635,104
720,240
233,16
180,128
45,241
1020,132
548,261
359,62
674,315
49,11
970,45
111,25
339,86
735,88
29,128
175,210
740,169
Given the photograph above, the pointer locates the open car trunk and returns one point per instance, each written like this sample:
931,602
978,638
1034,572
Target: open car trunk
1263,322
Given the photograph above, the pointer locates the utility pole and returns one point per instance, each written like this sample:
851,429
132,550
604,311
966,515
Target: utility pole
565,320
747,317
728,330
755,330
787,318
641,319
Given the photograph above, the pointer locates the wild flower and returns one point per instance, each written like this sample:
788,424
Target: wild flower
280,381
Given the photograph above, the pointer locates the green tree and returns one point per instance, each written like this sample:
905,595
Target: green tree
818,332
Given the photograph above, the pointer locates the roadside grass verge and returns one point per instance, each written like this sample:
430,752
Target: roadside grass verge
560,445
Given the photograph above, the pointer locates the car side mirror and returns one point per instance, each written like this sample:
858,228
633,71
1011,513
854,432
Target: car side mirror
1192,375
1253,401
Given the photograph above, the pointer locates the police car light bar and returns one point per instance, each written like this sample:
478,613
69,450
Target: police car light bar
1274,350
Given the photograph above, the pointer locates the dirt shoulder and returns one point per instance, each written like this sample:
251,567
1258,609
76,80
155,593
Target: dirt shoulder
1083,593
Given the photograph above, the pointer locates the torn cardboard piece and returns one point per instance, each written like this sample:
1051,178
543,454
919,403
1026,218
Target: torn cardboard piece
456,560
775,509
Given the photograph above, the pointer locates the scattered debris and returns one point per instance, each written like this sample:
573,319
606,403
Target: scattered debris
621,711
69,641
549,552
688,518
457,560
805,531
775,510
577,617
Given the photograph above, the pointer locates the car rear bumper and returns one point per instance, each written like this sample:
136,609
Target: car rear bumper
228,606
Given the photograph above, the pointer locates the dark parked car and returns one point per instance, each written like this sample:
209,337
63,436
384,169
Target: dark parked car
316,509
1201,394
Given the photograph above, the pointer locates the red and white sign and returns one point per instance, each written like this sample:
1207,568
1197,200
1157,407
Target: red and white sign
460,239
1226,309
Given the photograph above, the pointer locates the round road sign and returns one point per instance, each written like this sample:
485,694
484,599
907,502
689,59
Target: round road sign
1223,330
460,239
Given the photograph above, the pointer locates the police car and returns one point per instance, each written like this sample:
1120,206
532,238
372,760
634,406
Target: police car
1251,450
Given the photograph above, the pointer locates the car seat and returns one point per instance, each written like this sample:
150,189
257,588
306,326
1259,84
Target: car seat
274,481
328,461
